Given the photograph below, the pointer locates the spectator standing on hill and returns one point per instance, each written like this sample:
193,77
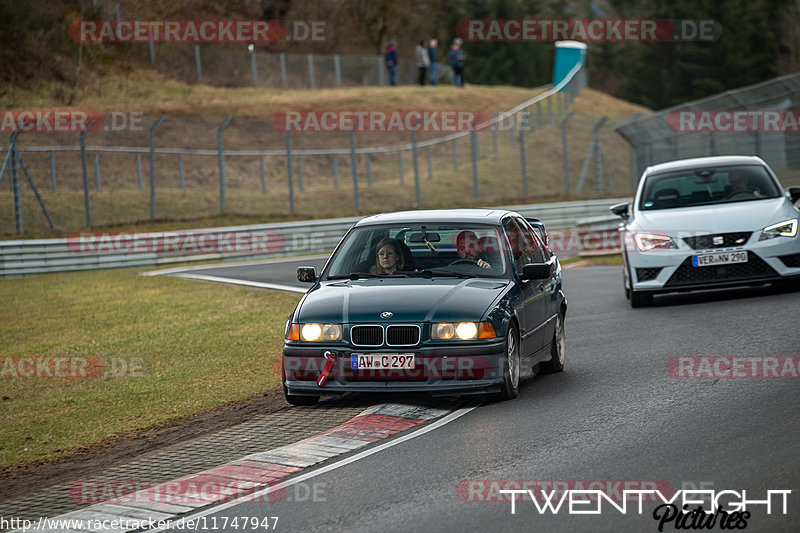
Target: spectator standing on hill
433,57
457,57
391,61
421,54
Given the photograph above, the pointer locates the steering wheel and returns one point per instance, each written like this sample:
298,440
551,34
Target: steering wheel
464,261
741,192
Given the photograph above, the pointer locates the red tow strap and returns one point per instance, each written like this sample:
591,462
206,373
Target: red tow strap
323,376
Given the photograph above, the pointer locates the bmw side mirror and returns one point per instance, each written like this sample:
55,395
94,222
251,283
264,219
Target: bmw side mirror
536,271
307,274
794,193
621,210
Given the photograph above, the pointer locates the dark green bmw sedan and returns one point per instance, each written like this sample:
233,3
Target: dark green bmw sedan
448,302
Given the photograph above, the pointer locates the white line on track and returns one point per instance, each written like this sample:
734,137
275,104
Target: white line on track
233,281
333,466
230,264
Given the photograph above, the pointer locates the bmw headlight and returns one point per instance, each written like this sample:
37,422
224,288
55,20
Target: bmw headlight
651,241
321,332
462,331
787,228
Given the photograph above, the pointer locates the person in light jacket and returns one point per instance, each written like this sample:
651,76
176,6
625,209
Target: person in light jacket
423,61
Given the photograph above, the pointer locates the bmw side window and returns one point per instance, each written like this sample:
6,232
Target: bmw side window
531,244
513,233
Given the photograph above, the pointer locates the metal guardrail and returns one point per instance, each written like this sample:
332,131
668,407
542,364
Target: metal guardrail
90,251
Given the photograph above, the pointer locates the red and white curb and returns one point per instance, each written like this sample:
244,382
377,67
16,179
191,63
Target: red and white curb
247,478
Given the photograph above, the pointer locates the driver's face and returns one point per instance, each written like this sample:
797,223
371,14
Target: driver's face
738,183
467,248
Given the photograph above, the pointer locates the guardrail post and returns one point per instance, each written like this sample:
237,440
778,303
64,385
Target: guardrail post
53,170
511,131
3,170
337,67
335,171
455,155
565,151
289,167
473,137
197,63
400,165
712,145
97,171
222,181
180,171
300,173
312,84
494,138
430,162
355,170
153,166
381,72
152,46
253,67
263,175
12,149
550,109
36,191
523,160
414,159
282,59
87,207
368,162
539,114
633,152
139,170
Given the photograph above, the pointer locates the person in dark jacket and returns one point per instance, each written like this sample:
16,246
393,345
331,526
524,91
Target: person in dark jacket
391,61
433,57
421,56
457,57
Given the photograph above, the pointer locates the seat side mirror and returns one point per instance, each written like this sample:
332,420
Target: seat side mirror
621,210
794,193
306,274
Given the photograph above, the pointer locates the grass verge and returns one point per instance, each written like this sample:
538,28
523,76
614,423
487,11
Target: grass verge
170,348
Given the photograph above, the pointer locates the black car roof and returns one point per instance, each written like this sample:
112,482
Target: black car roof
476,216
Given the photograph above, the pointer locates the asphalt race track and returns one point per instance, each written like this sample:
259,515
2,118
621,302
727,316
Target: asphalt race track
615,414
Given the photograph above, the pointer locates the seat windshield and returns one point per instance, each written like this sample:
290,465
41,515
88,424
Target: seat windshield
435,249
707,186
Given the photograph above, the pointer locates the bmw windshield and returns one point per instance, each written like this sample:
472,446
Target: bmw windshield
451,249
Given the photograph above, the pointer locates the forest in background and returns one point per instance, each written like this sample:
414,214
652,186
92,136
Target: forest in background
760,40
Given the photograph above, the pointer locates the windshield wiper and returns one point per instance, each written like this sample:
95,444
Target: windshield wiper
446,273
364,275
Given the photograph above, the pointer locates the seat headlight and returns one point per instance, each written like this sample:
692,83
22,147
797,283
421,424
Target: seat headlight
787,228
321,332
651,241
